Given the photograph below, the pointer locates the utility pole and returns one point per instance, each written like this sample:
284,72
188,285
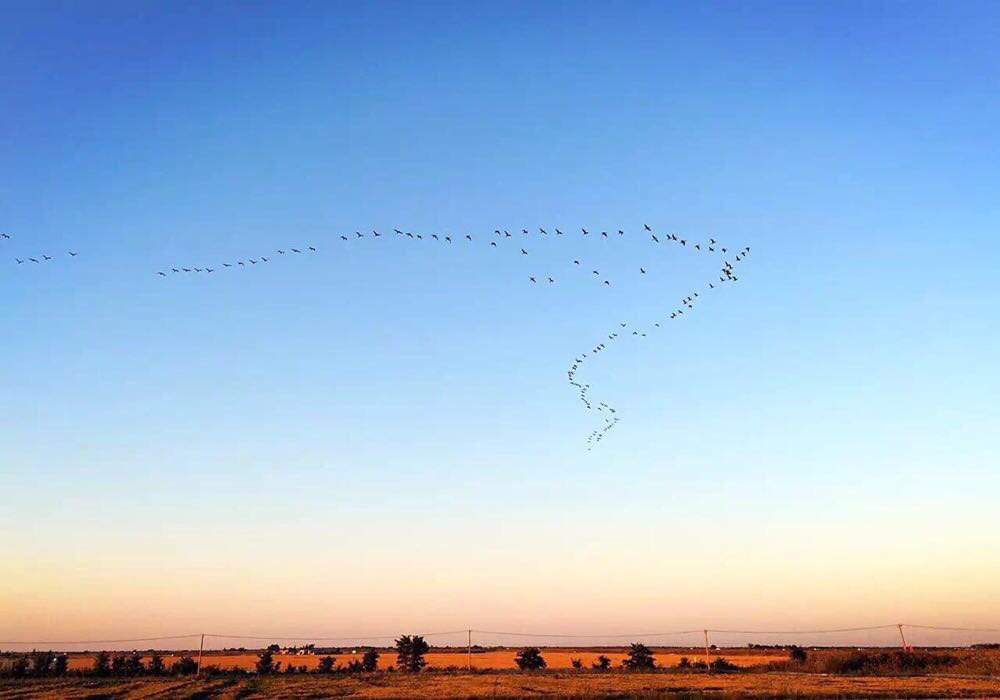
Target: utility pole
470,650
201,650
708,662
902,638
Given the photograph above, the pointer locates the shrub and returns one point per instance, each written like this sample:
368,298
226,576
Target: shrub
102,664
529,659
720,664
369,662
61,665
42,662
289,668
265,662
410,652
185,666
355,666
133,665
603,663
18,667
576,663
797,654
326,665
874,663
685,662
640,658
156,665
118,665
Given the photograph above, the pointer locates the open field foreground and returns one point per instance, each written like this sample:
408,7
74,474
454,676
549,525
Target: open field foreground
507,685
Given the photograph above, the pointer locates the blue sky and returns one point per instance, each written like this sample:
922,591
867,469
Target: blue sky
846,385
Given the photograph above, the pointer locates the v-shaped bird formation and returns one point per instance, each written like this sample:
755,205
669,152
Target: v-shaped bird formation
520,243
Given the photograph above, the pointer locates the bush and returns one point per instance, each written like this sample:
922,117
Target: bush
133,665
685,662
18,667
156,665
603,663
410,652
797,654
355,666
529,659
326,665
265,662
640,658
61,665
42,662
720,664
576,663
886,662
102,664
185,666
369,662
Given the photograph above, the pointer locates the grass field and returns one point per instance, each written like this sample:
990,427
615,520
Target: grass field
507,685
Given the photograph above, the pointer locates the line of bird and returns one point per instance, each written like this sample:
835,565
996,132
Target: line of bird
504,237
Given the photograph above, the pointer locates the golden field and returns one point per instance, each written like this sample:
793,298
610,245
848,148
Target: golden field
559,684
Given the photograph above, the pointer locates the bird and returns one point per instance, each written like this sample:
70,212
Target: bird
683,242
620,232
409,234
281,252
240,263
343,238
585,232
642,270
604,233
376,233
188,269
253,262
209,269
524,231
72,254
551,280
523,251
263,259
312,249
532,279
5,235
360,235
506,233
226,265
543,231
295,250
435,237
197,269
646,226
468,237
655,238
558,232
19,261
595,272
448,238
607,283
162,274
711,241
697,246
493,243
398,232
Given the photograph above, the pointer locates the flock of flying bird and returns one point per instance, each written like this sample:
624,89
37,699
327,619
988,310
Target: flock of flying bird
731,258
37,259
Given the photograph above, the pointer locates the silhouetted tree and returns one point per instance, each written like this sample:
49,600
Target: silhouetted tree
273,647
41,662
156,665
721,664
640,658
529,659
797,654
685,662
410,652
576,663
603,663
19,666
369,662
355,666
102,664
133,664
185,666
118,665
265,662
61,665
326,664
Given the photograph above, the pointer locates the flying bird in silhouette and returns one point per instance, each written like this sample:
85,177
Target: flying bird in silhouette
642,271
532,279
19,261
72,254
523,251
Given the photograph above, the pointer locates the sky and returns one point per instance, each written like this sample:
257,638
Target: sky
379,437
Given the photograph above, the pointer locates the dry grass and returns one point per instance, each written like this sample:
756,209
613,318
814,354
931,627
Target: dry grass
508,685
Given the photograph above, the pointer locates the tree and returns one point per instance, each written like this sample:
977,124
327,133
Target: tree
529,659
41,662
797,654
273,647
326,664
603,663
265,662
185,666
410,652
102,664
133,664
156,665
640,658
576,663
369,662
19,666
685,662
61,665
118,665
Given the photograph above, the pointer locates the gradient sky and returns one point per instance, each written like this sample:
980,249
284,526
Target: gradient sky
381,438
